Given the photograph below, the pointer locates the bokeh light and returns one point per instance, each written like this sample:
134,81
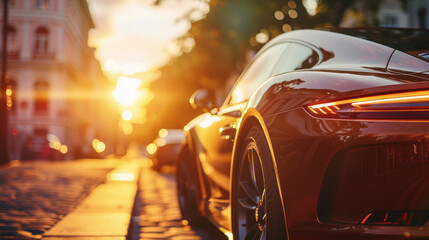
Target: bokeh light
118,176
151,148
101,147
52,138
286,28
127,115
56,145
126,92
291,4
261,37
293,13
127,128
64,149
162,133
15,131
279,15
98,146
311,6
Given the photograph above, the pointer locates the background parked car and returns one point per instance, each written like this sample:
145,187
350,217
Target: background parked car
168,146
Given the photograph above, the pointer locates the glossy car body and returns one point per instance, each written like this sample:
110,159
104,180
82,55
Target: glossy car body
341,173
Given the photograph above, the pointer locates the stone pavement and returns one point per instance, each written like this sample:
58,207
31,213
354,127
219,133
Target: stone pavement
157,214
34,196
106,212
92,199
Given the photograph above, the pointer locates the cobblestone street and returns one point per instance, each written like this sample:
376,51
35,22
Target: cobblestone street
34,196
159,213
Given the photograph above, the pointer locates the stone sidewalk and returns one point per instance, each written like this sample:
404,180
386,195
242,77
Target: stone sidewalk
107,211
34,196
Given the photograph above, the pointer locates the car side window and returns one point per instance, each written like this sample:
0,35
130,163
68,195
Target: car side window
296,57
255,74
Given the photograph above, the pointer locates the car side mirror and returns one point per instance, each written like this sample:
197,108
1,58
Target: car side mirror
204,99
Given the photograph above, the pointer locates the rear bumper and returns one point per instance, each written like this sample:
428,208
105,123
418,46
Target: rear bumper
333,173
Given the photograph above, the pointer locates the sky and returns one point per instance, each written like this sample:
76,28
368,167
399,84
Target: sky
135,36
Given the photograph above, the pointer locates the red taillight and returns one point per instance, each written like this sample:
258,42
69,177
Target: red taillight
396,218
404,105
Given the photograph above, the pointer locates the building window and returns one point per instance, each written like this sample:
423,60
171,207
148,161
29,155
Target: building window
41,96
421,15
43,4
11,39
40,132
389,21
42,40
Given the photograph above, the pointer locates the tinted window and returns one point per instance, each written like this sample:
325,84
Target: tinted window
296,57
256,73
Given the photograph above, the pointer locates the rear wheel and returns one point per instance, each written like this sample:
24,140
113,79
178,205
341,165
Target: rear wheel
257,208
186,190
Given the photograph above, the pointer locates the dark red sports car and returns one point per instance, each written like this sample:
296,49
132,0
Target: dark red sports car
325,135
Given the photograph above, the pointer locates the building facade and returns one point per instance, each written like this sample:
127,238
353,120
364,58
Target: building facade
418,12
389,13
52,78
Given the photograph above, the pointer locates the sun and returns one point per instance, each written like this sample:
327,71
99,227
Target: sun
127,91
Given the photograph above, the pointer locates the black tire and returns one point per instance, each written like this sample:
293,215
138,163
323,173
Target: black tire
255,190
186,189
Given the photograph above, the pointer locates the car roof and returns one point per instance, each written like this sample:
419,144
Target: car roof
337,49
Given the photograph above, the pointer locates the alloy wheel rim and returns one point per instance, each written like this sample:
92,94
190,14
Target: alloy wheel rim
251,205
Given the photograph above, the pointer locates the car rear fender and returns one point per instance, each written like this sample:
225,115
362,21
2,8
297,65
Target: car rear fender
195,167
251,117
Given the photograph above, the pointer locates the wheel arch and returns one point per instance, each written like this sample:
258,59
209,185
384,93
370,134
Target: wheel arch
250,118
192,159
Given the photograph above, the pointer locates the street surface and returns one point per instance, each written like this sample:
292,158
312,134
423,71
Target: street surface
36,195
158,213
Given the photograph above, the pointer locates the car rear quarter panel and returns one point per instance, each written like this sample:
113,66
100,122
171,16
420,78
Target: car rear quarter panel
303,148
303,145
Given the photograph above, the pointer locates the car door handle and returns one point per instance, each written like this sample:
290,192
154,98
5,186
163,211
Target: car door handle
228,132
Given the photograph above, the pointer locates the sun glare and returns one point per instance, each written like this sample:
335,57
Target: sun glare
127,115
131,35
126,92
125,67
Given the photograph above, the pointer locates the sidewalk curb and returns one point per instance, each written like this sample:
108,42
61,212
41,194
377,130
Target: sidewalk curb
106,213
